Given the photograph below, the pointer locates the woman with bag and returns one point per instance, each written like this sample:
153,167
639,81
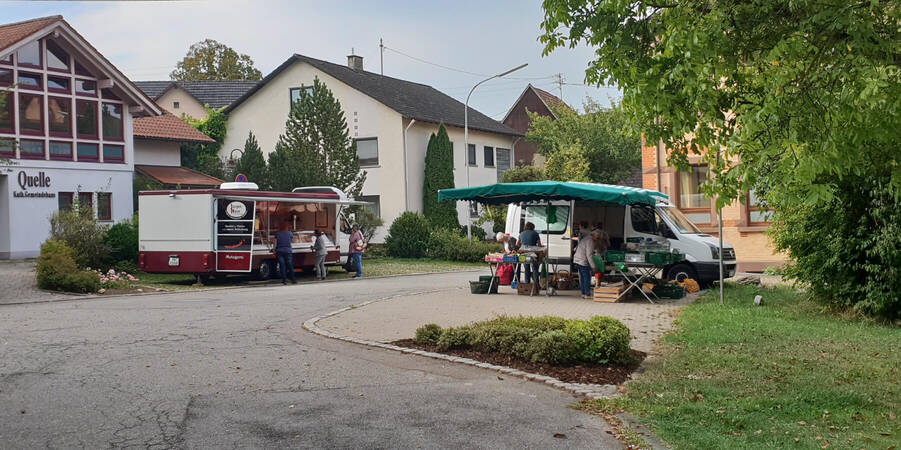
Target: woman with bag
357,245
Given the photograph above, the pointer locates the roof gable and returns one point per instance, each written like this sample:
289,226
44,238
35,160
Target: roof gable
549,100
215,93
412,100
167,127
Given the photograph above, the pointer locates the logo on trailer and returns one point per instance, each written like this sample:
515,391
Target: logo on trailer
241,178
236,210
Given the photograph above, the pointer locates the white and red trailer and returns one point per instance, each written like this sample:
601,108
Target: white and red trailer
210,232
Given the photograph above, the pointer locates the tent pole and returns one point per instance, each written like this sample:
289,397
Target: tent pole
720,220
547,235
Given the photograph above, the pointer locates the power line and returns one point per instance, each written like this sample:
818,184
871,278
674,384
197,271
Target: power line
453,69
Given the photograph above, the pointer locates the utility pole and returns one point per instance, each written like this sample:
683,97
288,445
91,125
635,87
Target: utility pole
558,78
382,56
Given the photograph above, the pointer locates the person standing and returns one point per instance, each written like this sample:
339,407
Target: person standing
285,253
603,239
321,248
584,262
530,237
357,244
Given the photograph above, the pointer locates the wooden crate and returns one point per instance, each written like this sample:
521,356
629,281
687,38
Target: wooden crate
609,293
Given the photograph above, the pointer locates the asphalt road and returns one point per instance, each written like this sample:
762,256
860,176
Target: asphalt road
233,369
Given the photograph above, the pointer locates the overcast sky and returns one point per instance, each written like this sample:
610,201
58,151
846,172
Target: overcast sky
146,39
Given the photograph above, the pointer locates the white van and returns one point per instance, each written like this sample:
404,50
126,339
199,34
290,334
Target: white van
622,222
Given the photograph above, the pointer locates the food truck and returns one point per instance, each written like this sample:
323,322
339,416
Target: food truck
214,232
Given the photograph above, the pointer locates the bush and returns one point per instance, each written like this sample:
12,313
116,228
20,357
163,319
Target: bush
454,338
504,338
551,347
427,334
523,174
450,246
478,233
122,240
79,230
600,339
57,270
408,236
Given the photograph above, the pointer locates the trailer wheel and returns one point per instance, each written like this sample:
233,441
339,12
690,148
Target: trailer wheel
267,269
680,272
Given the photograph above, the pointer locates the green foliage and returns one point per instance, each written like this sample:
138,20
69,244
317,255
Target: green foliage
523,174
79,230
122,241
408,236
204,158
427,334
569,164
546,339
252,163
56,270
478,233
847,251
368,221
439,174
804,93
316,149
607,146
496,214
448,245
212,60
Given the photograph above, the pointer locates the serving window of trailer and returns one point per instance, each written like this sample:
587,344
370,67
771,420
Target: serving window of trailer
301,219
538,215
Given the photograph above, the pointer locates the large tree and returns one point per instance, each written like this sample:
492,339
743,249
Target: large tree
252,163
316,149
610,149
213,60
439,174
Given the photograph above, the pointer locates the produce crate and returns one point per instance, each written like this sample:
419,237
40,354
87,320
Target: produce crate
511,258
488,278
614,256
478,287
609,293
527,289
658,258
670,291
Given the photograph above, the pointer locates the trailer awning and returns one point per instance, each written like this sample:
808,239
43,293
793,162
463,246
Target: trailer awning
503,193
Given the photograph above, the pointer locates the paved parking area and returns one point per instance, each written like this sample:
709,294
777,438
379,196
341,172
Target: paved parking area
17,284
398,318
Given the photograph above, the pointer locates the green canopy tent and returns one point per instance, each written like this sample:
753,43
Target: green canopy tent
548,191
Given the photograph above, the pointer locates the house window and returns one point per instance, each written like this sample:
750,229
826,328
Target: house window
8,60
113,153
295,92
31,149
471,155
86,200
368,151
109,94
60,116
65,200
104,206
6,77
59,84
7,148
28,80
86,119
756,215
694,203
6,116
81,70
88,152
373,205
489,156
30,54
31,114
86,87
175,105
61,150
57,59
112,121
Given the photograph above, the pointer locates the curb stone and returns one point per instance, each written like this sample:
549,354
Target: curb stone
593,391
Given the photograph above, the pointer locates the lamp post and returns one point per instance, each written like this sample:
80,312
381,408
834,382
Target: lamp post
466,140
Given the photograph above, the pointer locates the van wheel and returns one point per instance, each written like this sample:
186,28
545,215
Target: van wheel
680,272
267,270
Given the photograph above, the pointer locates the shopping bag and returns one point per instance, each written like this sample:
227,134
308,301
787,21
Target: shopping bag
505,274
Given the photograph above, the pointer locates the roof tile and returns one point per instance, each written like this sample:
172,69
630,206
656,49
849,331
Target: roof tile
178,176
216,94
12,33
168,128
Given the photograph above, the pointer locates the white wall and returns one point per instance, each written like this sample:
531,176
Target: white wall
151,152
187,104
267,110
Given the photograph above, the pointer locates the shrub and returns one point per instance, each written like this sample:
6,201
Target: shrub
122,240
79,230
427,334
439,174
551,347
600,339
523,174
454,338
504,338
478,233
57,270
450,246
408,236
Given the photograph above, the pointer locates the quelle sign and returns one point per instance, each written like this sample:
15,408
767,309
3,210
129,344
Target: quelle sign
26,181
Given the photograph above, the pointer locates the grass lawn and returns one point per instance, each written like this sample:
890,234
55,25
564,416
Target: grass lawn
783,375
372,267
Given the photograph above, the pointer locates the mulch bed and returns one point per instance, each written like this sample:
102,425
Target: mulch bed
583,373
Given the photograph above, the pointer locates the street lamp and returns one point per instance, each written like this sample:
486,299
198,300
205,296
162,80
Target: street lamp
466,139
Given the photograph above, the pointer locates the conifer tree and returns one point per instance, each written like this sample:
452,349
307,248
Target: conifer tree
316,149
439,174
252,163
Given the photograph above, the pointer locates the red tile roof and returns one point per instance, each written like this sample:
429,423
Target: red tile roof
549,99
168,128
178,176
12,33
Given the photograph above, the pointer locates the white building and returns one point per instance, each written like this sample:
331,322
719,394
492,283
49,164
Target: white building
67,130
391,121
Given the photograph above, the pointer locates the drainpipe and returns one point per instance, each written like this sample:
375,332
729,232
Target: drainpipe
659,176
406,197
513,152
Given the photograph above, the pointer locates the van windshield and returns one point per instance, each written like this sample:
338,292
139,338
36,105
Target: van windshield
682,224
559,218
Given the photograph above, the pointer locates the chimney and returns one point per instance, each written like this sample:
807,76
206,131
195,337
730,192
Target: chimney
355,62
